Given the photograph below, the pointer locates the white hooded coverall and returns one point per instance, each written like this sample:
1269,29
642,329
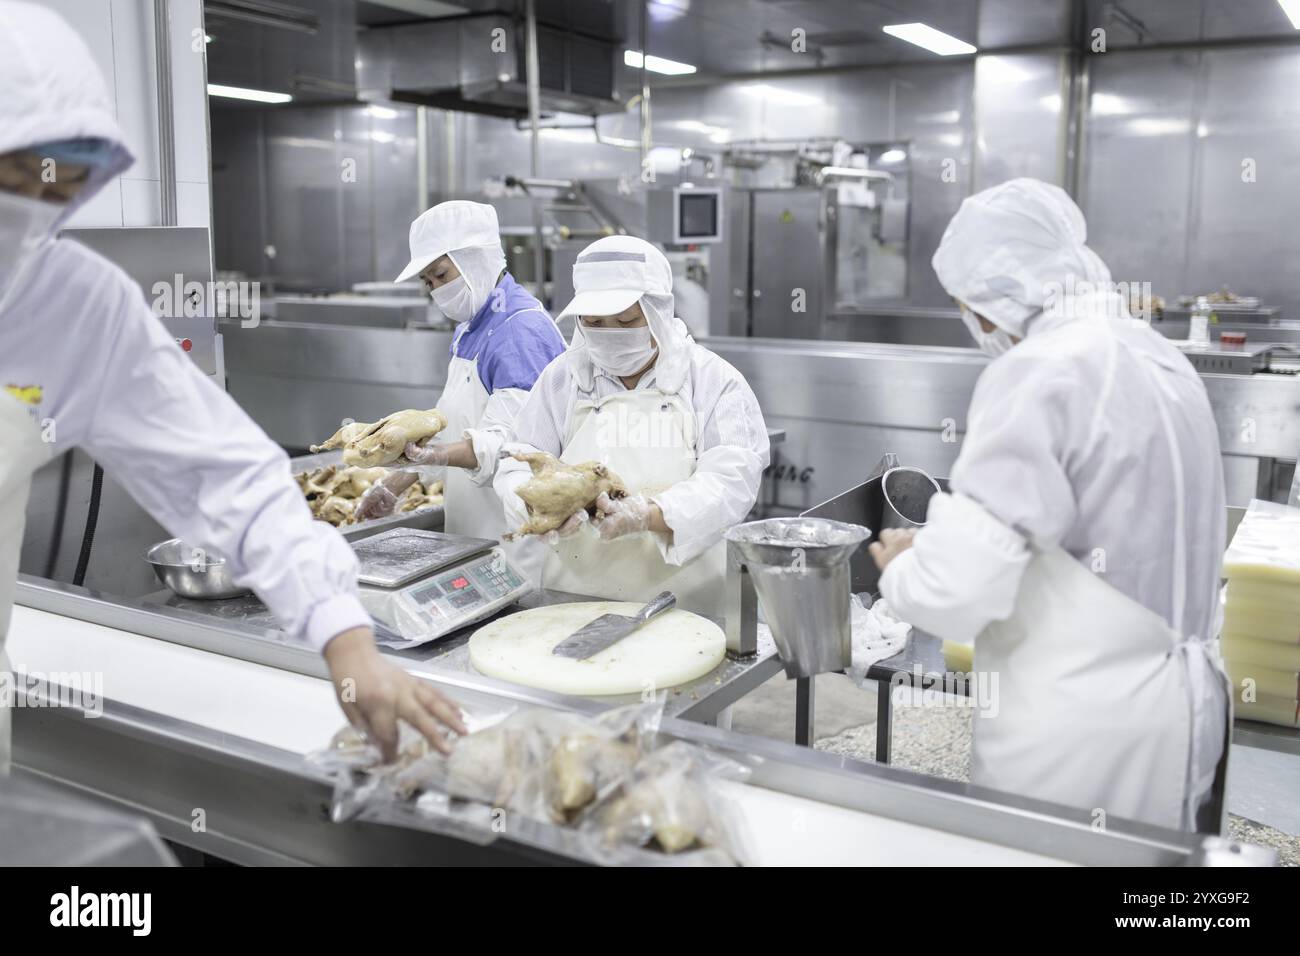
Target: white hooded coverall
690,437
1092,438
78,342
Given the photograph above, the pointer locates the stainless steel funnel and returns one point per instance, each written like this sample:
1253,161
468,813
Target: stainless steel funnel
907,493
800,569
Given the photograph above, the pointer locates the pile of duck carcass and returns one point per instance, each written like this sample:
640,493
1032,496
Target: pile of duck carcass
333,492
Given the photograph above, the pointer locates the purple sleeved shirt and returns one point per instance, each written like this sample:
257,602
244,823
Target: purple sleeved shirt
512,337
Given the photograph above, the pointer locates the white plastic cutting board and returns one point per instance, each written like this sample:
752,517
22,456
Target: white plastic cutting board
671,649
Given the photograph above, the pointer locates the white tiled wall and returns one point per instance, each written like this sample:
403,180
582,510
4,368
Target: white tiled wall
121,39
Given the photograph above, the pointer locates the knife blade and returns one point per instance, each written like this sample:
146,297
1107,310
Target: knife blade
608,629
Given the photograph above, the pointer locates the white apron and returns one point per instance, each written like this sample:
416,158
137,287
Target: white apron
1095,703
471,509
648,439
21,452
1100,703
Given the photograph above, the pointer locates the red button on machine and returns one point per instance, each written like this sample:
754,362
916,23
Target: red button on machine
460,583
186,344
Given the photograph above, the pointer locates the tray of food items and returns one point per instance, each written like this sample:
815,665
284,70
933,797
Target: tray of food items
342,468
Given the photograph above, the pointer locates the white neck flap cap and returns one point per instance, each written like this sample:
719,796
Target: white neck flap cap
608,277
447,227
1017,250
53,92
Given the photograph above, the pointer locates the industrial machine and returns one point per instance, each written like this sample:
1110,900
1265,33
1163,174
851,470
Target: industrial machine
832,244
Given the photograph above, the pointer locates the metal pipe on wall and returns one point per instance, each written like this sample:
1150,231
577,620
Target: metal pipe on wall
646,141
534,166
166,125
421,158
1074,97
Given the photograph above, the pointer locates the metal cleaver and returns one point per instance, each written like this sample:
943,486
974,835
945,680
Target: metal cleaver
609,629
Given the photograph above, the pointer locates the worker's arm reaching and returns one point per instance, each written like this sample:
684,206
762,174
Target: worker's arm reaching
191,457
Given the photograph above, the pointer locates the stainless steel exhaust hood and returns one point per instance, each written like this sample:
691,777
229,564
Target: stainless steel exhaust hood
476,64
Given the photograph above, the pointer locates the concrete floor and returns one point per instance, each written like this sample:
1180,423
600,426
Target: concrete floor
936,741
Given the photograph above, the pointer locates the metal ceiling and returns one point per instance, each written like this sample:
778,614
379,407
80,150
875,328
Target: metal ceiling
311,52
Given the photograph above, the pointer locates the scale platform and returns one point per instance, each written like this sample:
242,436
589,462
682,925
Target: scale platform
422,585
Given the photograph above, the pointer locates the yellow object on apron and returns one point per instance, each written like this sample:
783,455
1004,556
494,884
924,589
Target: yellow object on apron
22,451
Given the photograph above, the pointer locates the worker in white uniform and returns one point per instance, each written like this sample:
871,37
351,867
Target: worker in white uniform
503,340
1080,546
83,363
675,422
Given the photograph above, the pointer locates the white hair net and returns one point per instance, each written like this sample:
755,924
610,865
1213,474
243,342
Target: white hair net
466,231
608,276
1016,250
481,266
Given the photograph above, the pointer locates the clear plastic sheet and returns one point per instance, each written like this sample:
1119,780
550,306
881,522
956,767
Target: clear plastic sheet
876,634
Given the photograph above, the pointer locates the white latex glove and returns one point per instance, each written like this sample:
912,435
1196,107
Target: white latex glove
616,517
380,499
572,525
434,453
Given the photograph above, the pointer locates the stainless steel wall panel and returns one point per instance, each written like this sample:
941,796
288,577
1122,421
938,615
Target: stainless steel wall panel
1244,230
1018,108
1137,181
299,382
1168,134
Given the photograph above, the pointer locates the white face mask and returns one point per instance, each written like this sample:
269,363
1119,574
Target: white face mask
619,351
25,224
455,300
992,343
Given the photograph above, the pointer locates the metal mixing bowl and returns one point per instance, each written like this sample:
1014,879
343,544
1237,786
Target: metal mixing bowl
192,572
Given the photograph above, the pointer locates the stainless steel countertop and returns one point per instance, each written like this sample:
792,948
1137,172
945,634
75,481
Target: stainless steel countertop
270,804
699,700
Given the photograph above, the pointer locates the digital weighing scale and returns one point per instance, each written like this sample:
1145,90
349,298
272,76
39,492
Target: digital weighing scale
420,585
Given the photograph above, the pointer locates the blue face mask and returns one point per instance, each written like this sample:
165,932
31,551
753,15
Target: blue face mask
97,154
993,343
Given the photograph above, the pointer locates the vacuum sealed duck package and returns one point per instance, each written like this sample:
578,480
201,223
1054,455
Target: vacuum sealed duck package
670,809
601,778
541,764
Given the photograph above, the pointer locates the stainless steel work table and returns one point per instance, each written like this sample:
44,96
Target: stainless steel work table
265,804
700,700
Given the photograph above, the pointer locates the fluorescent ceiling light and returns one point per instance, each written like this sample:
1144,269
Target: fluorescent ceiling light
1292,9
568,134
1108,104
239,93
778,94
1157,126
664,11
929,38
656,64
695,126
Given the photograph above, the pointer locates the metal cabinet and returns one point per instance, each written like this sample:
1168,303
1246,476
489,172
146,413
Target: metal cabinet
789,265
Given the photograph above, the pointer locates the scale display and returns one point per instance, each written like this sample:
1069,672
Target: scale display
446,600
